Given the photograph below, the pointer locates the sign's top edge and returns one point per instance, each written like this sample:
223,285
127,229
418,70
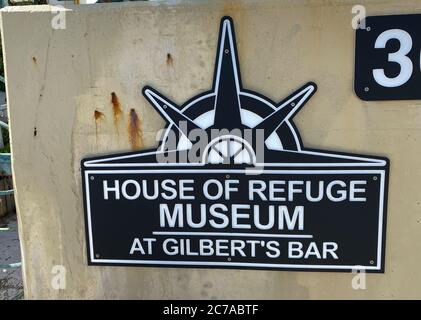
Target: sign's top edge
316,158
412,14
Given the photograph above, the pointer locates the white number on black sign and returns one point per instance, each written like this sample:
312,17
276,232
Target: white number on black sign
388,58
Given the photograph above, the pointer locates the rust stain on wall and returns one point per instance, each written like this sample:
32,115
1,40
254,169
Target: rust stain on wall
98,116
170,60
117,110
135,130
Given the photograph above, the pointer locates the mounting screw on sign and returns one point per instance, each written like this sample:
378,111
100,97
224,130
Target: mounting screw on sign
388,59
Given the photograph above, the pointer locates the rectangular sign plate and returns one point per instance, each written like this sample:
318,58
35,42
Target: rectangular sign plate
293,220
387,58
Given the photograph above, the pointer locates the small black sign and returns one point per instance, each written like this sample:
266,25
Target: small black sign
387,58
252,197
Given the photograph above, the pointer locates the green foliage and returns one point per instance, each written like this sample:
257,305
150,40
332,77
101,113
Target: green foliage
5,149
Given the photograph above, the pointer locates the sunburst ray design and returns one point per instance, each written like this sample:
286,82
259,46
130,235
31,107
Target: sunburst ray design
227,91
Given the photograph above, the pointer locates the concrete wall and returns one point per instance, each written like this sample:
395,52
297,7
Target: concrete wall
59,86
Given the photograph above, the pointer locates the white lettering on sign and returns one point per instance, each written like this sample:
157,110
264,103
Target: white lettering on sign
280,191
149,189
209,213
296,250
237,216
137,245
219,247
274,190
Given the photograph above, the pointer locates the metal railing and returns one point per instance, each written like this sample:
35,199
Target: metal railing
7,157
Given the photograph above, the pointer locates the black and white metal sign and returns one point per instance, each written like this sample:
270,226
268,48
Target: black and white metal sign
238,203
387,58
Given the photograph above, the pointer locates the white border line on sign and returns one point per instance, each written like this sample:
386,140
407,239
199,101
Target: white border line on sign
239,264
232,234
366,161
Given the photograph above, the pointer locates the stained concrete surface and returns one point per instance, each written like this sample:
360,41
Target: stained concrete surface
11,286
58,80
